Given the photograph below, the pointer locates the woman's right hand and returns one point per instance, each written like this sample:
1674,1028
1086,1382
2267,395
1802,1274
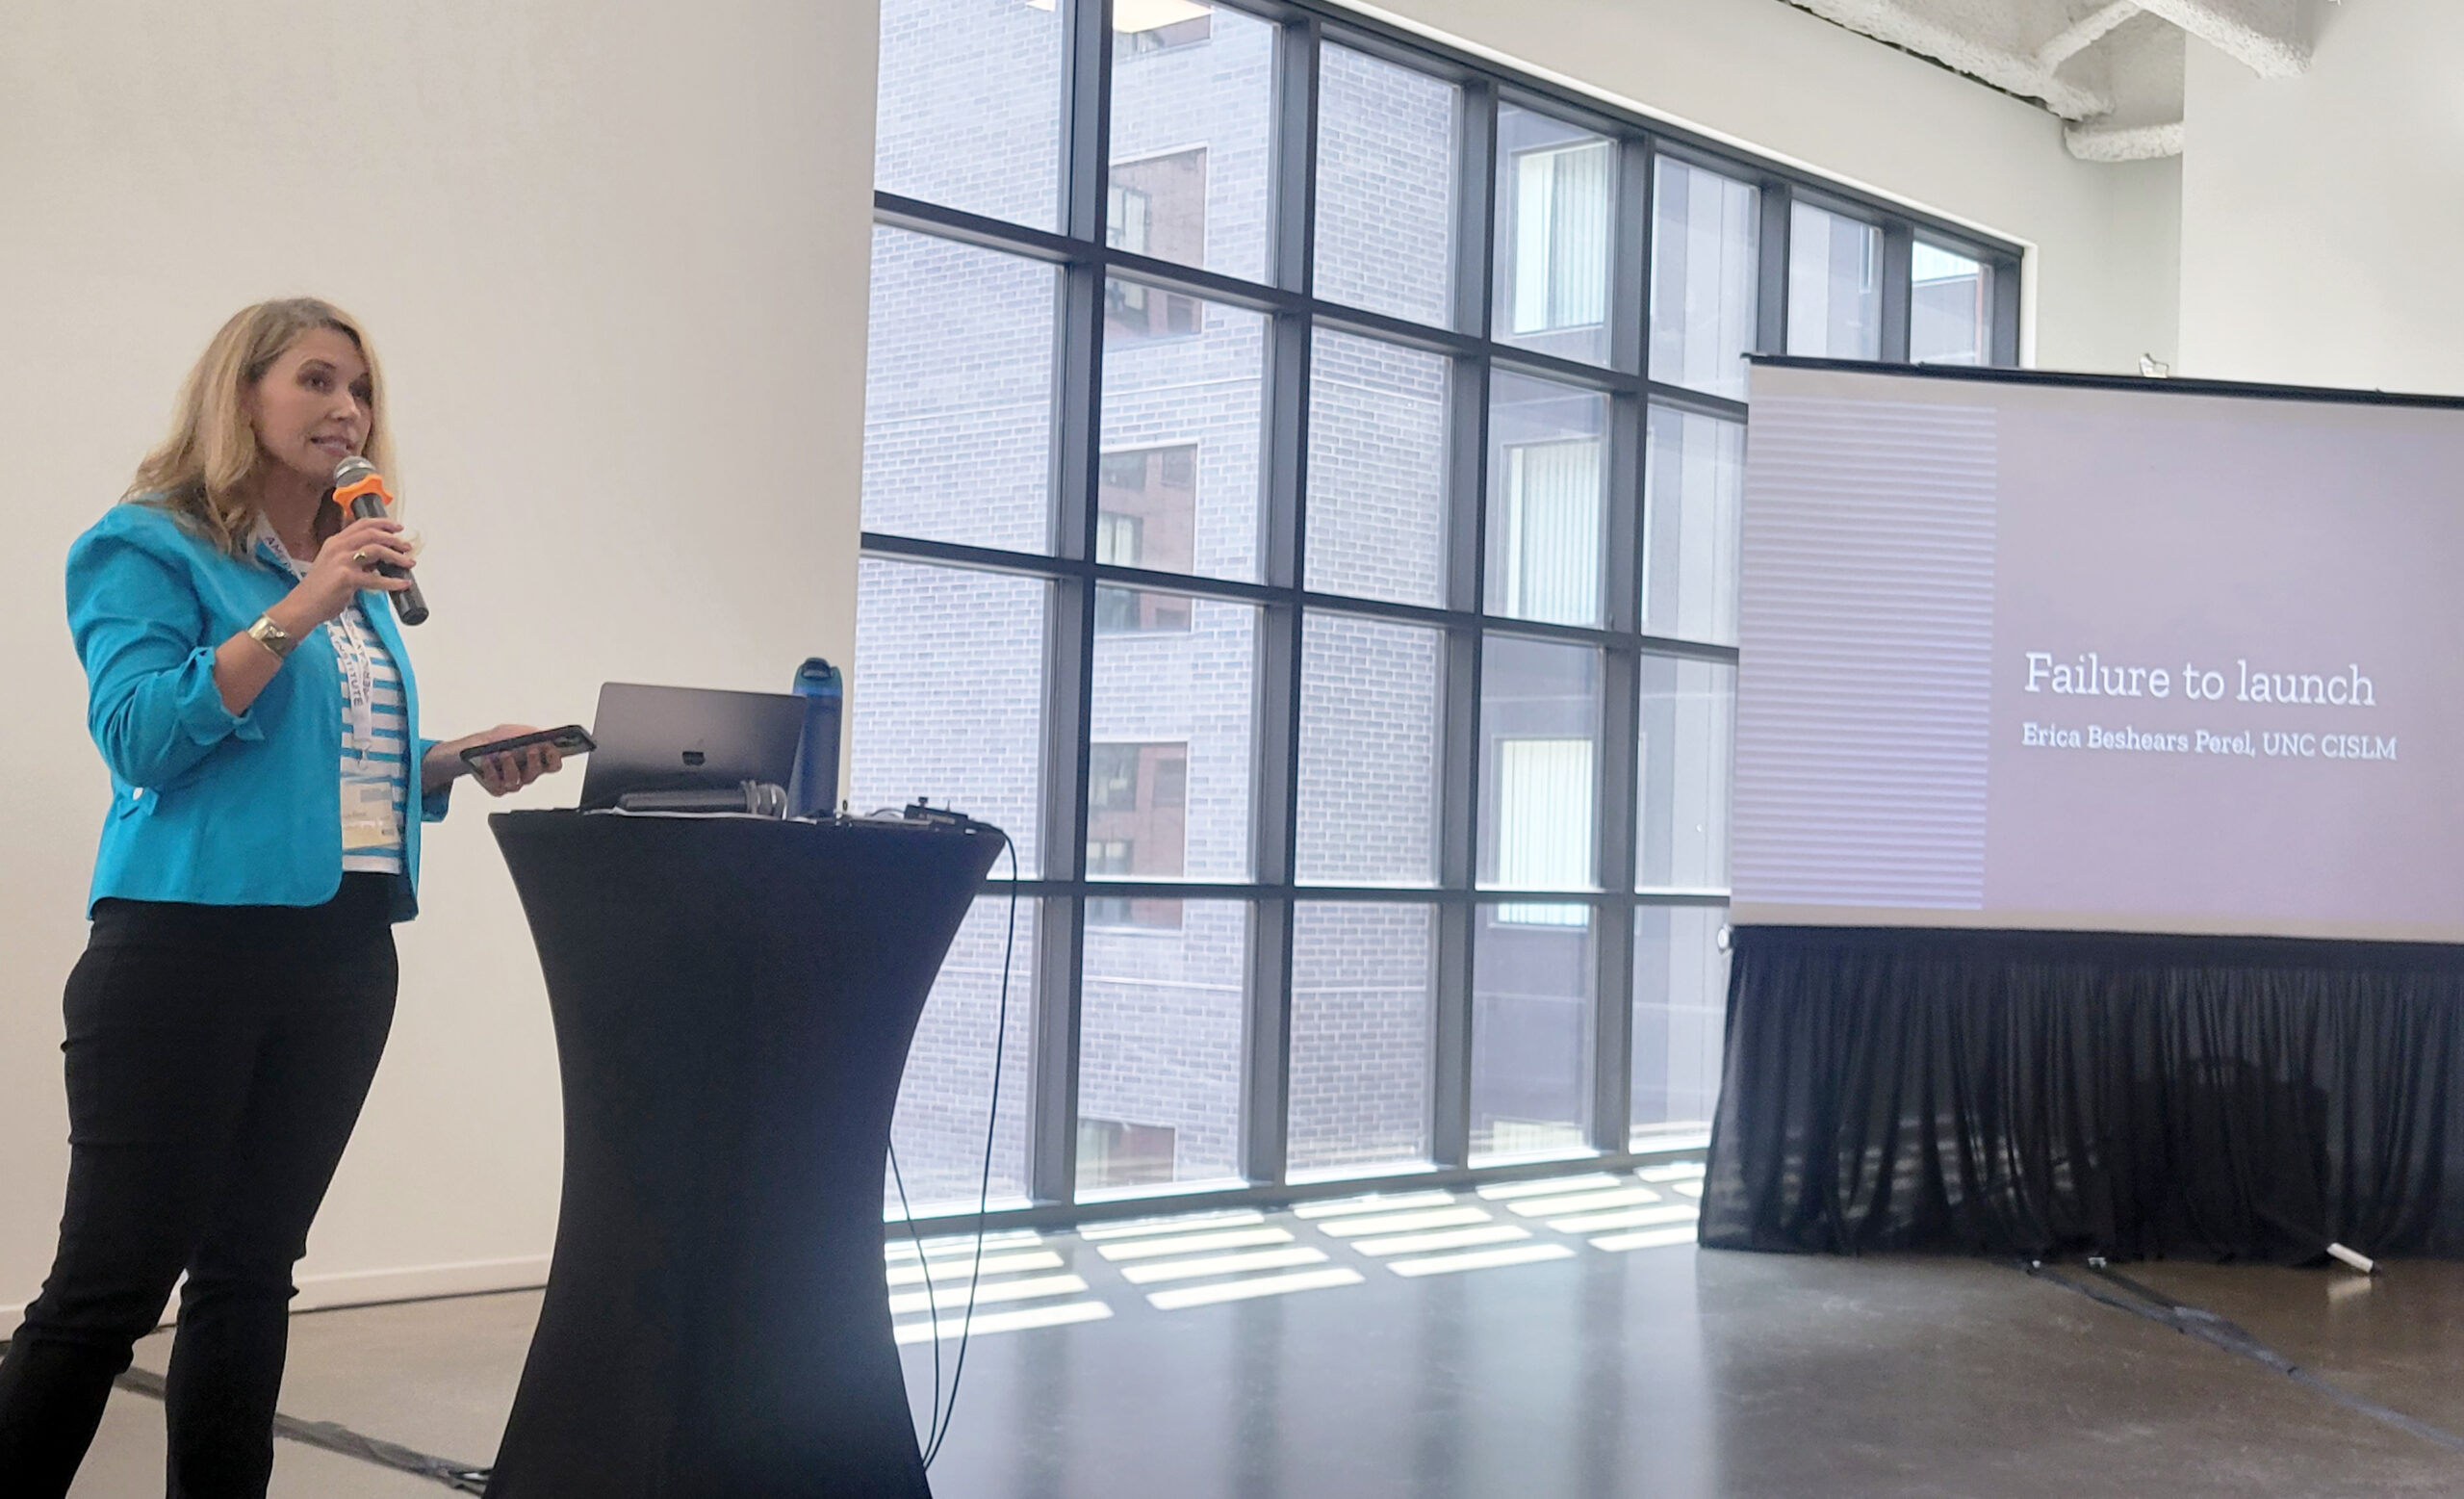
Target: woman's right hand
347,563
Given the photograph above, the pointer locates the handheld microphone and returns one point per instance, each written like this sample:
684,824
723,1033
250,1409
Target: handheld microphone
360,490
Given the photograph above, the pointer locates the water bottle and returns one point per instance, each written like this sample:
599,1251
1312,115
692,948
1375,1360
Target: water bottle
814,791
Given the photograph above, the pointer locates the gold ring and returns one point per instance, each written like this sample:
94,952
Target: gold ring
360,558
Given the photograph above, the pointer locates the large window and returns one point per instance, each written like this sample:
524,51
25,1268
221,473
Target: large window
1951,307
1138,798
1156,207
1557,193
1548,487
1706,276
1320,553
1146,516
1835,284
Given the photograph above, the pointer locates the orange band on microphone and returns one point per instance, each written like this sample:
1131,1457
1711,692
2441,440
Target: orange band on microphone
373,484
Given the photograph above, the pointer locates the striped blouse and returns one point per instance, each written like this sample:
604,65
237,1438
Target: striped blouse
377,750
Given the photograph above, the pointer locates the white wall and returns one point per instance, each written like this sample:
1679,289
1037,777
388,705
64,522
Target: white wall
2321,215
1772,77
614,256
2145,288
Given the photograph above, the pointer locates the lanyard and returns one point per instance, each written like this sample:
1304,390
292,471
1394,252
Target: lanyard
359,681
351,648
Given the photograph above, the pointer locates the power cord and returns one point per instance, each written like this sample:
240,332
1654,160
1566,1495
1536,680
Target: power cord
924,1266
938,1427
992,1128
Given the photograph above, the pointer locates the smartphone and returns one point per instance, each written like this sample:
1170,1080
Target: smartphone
571,740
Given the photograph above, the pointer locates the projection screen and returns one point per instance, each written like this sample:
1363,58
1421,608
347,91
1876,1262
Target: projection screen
2053,653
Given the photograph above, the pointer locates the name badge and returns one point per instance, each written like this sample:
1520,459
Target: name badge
369,818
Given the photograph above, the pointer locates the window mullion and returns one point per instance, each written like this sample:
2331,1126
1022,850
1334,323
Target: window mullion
2007,288
1266,1033
1459,780
1612,928
1899,267
1771,298
1052,1149
1459,704
1475,208
1629,264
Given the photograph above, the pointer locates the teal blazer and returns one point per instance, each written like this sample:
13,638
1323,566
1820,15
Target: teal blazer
207,807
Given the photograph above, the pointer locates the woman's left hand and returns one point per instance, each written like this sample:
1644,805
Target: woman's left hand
504,773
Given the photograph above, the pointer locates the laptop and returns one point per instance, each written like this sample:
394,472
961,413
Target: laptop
690,740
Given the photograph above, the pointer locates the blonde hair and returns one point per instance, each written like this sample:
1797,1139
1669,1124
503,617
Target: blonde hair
200,471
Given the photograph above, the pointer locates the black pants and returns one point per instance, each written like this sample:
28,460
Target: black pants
217,1058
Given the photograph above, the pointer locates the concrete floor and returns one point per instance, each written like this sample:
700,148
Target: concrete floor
1662,1371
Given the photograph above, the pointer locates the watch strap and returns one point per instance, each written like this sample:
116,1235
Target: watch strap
272,637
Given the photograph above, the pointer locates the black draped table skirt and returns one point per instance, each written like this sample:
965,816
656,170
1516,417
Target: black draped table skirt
2041,1094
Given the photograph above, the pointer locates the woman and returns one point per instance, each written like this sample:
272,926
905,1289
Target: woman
250,691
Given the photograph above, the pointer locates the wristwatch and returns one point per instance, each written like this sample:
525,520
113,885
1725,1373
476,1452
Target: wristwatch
272,637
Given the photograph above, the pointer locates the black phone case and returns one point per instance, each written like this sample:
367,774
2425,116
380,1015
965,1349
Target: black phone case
572,739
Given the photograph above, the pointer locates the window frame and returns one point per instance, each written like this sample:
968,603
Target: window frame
1474,339
1857,213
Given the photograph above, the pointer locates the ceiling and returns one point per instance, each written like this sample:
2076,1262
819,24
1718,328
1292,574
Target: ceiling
2111,68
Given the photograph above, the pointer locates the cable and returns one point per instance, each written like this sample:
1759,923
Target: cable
465,1477
931,1307
2141,1301
907,1210
984,1187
